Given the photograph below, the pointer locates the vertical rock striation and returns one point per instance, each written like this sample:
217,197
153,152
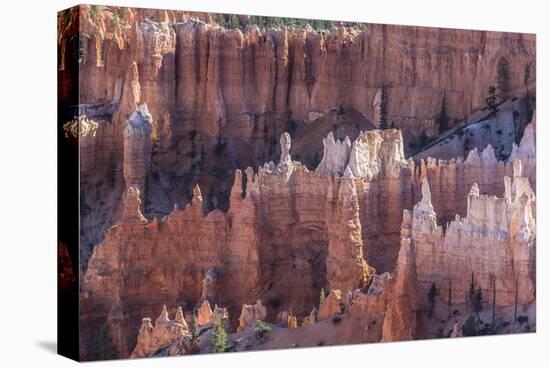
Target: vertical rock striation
137,148
290,232
494,244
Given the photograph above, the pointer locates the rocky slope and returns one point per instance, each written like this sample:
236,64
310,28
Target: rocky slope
501,131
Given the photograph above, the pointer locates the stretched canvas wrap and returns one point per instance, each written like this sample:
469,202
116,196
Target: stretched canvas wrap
231,183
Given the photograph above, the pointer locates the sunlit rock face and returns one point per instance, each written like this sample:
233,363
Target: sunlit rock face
137,148
493,246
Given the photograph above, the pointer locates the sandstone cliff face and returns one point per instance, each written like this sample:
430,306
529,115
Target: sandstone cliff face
450,181
137,148
525,152
250,84
494,234
283,239
400,316
211,90
289,232
494,245
174,106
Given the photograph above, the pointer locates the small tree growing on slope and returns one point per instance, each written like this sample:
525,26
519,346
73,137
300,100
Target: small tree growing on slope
194,332
103,346
475,297
432,293
478,300
383,118
491,100
261,328
503,78
442,120
218,342
470,327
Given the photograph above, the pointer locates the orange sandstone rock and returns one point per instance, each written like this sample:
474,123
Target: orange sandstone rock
251,313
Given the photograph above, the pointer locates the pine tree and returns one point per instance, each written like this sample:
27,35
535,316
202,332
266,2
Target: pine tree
471,293
383,113
449,298
261,328
491,100
475,297
526,99
424,138
218,343
442,119
234,21
526,73
478,300
432,293
194,330
494,296
276,21
103,346
201,163
470,327
503,78
322,296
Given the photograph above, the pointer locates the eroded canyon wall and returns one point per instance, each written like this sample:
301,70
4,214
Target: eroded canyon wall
220,98
491,248
179,107
288,233
280,241
238,82
495,243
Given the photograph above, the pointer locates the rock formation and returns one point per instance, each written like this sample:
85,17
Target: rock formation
494,242
165,333
137,148
292,322
494,245
400,316
333,305
525,152
251,313
155,49
209,90
256,77
335,156
176,107
450,181
283,237
311,318
204,314
221,316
